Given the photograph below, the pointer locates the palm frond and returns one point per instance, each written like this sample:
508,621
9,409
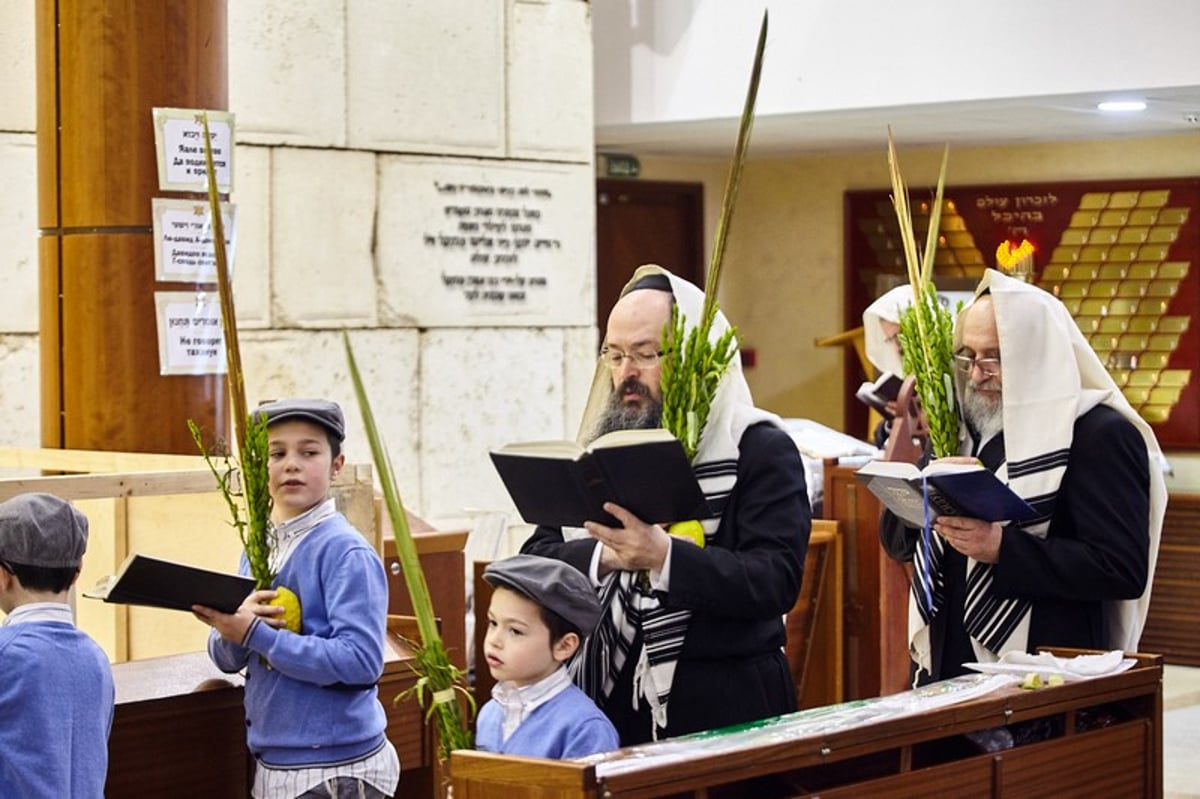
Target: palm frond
692,366
438,678
926,326
249,435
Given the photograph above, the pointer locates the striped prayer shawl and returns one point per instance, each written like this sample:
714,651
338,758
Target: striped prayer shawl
632,605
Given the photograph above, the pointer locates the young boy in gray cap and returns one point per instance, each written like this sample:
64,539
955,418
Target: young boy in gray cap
541,610
56,697
313,718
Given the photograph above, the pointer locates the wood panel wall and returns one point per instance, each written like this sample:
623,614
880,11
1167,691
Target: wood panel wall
102,66
1173,624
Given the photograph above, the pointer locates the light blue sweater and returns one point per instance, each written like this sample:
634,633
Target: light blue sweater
316,703
566,726
56,711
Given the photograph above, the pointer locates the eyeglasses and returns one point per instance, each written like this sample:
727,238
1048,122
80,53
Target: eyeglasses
614,358
989,366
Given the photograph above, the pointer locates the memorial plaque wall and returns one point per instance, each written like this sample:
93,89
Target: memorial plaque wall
1122,255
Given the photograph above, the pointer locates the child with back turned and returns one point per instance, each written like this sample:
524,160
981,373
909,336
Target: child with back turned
313,718
56,696
541,610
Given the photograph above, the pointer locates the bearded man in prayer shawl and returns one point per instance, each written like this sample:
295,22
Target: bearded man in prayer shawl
1044,415
692,637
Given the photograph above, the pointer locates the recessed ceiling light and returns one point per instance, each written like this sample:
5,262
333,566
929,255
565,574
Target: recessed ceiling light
1122,106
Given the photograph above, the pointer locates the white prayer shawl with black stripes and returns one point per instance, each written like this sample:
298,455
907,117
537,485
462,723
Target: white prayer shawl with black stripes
1058,379
629,603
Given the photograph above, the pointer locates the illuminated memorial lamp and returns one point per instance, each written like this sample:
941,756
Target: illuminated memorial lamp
1016,260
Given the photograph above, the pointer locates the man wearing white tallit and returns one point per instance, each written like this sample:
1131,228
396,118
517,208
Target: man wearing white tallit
881,343
881,329
697,645
1043,414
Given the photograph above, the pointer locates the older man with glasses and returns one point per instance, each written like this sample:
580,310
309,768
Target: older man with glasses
692,634
1044,415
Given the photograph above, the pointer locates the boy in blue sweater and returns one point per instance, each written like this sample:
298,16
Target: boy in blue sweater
56,697
313,718
541,610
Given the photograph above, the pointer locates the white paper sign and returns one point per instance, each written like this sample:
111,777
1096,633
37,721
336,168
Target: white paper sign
183,238
190,338
179,142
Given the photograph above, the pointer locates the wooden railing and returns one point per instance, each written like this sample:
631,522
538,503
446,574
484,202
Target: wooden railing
163,505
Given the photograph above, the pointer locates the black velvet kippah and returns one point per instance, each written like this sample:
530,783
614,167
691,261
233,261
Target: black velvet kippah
657,281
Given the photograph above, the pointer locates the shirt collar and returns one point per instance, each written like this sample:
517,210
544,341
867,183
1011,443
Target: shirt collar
298,525
40,611
288,534
519,701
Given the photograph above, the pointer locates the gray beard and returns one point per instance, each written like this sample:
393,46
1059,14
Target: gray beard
619,416
985,417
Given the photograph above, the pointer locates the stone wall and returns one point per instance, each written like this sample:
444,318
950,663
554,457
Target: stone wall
374,140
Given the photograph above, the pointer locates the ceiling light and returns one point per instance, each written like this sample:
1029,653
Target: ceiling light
1121,106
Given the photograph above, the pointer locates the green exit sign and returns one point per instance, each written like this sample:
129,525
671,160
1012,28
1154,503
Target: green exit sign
621,166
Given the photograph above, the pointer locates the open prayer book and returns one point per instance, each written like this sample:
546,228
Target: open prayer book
157,583
951,489
562,484
879,392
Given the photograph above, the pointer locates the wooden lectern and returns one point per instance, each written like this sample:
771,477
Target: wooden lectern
875,609
179,727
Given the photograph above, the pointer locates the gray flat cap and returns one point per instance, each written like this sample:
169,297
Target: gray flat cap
551,583
42,530
323,412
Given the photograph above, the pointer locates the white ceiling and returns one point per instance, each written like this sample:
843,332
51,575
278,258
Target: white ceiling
1020,120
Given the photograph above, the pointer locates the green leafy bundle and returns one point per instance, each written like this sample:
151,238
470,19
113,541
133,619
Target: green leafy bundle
257,542
436,675
692,366
927,326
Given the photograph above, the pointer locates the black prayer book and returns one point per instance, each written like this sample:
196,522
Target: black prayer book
158,583
562,484
953,489
879,392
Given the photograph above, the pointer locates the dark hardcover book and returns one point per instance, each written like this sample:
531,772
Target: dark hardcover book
879,392
157,583
953,489
561,484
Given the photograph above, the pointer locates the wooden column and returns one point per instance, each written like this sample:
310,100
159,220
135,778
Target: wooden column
102,65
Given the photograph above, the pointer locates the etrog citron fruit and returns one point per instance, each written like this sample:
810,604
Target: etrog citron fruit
691,530
286,599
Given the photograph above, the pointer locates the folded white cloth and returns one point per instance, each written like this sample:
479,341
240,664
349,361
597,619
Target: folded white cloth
1079,665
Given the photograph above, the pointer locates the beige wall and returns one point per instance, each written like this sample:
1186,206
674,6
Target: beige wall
782,285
